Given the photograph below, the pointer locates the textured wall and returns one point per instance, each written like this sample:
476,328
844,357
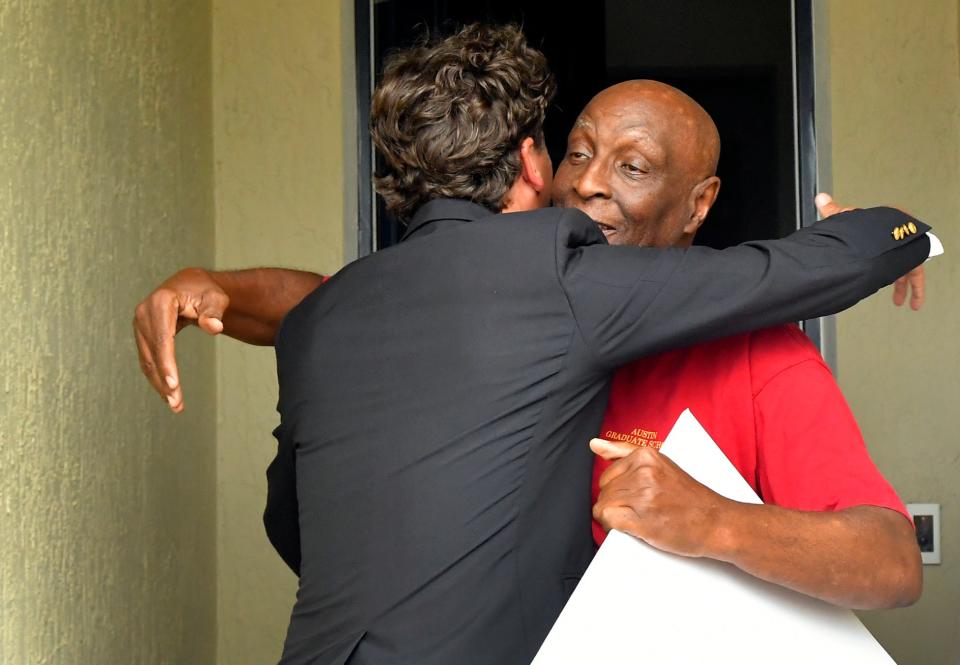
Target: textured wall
280,149
107,550
895,80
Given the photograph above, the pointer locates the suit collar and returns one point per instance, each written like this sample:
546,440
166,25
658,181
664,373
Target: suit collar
441,213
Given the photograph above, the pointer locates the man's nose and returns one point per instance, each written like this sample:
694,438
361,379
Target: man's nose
593,181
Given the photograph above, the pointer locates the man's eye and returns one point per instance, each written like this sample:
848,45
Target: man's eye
576,156
633,169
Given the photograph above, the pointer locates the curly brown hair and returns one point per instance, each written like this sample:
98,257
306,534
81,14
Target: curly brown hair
449,118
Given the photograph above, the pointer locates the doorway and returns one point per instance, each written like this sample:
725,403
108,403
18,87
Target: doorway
749,63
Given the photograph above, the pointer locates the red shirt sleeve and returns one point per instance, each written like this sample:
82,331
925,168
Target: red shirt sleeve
811,454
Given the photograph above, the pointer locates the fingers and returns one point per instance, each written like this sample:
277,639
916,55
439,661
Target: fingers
612,516
175,399
611,450
164,329
147,363
915,282
639,456
155,326
900,291
918,295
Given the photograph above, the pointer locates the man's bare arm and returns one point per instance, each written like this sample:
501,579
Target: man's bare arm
248,305
259,300
864,557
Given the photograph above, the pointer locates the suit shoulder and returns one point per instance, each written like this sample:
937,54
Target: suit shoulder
552,215
290,333
536,221
569,226
295,327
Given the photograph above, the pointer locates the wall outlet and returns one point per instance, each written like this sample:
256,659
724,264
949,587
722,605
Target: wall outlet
926,519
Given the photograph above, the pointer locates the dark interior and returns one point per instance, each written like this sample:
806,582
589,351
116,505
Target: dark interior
734,57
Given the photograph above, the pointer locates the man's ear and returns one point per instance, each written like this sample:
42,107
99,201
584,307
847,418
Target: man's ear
531,188
702,197
530,165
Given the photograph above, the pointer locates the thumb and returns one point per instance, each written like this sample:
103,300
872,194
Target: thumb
826,205
210,312
611,450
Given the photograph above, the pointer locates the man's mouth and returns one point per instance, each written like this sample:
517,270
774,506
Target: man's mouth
606,229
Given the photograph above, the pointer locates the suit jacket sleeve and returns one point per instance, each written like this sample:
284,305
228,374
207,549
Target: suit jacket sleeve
633,301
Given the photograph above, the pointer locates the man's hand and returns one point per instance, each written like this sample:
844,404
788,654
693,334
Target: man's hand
914,279
862,557
247,305
189,297
645,494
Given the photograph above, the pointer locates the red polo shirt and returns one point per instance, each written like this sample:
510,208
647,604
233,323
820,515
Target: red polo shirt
770,403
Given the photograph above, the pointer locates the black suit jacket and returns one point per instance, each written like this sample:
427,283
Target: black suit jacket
437,397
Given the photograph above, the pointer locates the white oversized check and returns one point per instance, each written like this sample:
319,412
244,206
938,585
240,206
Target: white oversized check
636,604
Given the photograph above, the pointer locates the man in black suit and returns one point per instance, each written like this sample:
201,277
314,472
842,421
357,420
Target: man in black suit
437,395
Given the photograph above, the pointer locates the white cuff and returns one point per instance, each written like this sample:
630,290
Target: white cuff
936,247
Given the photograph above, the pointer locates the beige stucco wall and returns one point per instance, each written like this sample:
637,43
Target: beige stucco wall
895,93
283,148
107,550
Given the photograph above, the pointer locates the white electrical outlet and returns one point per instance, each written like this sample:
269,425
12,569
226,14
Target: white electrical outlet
926,519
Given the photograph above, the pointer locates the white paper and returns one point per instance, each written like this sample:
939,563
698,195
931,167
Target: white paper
636,604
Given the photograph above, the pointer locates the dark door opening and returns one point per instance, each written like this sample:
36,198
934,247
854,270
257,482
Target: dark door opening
749,63
736,58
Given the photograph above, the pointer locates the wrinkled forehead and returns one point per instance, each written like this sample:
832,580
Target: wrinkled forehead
624,107
657,117
624,125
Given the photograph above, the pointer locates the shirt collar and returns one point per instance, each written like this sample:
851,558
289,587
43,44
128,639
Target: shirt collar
441,213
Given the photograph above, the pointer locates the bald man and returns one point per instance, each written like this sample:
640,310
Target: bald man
641,161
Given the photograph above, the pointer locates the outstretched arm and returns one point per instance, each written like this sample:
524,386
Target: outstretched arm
246,304
631,302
